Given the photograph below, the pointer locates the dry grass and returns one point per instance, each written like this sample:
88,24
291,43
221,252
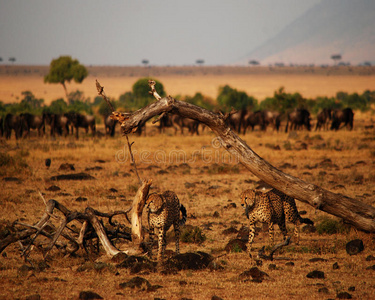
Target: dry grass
204,187
259,82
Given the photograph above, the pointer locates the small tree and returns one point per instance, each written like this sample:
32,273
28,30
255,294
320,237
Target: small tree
199,62
336,58
64,69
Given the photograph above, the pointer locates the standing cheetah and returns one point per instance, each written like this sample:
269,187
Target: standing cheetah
259,208
271,207
163,211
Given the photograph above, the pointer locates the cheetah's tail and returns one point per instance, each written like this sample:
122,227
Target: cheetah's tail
184,215
306,221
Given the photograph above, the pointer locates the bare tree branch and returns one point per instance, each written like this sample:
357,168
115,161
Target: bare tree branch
354,212
101,92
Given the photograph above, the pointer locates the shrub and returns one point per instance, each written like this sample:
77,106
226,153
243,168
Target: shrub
192,234
330,226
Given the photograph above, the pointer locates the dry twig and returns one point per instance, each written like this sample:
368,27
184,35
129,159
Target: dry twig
102,93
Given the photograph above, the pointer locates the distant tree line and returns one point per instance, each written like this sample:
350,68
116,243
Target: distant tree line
227,99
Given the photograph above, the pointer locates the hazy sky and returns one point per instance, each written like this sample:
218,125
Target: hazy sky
166,32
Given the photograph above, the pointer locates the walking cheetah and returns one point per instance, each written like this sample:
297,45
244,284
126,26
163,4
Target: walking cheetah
271,207
163,211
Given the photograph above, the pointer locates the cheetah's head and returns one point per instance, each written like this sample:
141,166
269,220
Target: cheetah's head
154,202
248,198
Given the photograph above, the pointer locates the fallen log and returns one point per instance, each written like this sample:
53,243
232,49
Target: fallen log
357,213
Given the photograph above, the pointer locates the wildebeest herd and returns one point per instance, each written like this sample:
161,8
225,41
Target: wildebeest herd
240,121
58,124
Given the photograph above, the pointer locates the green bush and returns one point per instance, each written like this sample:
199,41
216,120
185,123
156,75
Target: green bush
192,234
331,226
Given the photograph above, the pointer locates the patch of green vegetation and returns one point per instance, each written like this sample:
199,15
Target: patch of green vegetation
236,248
192,235
331,226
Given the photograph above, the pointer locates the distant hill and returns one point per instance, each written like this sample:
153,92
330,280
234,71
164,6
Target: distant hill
345,27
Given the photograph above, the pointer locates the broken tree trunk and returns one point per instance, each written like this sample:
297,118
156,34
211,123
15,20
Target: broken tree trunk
360,215
137,209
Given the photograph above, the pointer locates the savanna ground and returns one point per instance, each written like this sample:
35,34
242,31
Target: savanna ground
208,182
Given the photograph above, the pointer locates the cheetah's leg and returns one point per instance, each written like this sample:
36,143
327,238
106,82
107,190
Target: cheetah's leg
176,227
282,227
271,233
162,244
151,240
296,231
251,236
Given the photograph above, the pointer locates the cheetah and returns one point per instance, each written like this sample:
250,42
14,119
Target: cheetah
163,211
271,207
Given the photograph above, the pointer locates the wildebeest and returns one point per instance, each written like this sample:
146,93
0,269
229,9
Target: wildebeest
33,122
298,118
58,123
323,118
253,119
236,120
345,116
176,121
84,121
110,125
13,122
166,121
190,124
272,118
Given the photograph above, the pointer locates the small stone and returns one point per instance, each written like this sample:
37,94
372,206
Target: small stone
323,290
354,247
316,274
335,266
88,295
344,295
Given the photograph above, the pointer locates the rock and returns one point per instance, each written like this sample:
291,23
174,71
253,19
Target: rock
214,297
255,274
87,295
139,283
131,260
12,179
323,290
290,264
354,247
73,176
216,214
230,230
188,261
81,199
317,259
53,188
335,266
235,245
47,162
316,274
351,288
344,295
371,267
66,167
370,258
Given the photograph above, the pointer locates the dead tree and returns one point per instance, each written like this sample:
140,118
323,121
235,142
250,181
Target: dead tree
91,227
358,214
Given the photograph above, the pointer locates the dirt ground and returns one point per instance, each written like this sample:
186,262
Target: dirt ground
208,182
